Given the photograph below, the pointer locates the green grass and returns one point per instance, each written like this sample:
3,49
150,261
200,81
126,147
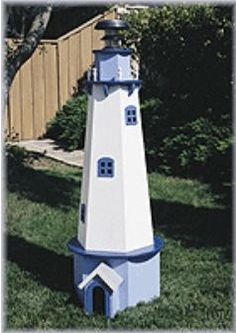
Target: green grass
196,264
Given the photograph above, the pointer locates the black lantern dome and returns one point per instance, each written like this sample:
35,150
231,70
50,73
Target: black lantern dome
111,27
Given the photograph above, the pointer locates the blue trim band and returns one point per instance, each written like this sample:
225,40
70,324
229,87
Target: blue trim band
116,82
116,50
75,247
131,84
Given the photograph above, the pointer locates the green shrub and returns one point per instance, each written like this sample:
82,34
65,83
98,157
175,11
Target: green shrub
196,148
67,128
186,66
199,148
185,54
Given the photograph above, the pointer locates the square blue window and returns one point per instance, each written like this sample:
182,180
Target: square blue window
131,115
105,167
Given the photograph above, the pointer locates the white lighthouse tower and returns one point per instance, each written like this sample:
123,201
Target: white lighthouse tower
116,257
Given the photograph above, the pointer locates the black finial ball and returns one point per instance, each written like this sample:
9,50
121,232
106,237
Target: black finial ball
111,25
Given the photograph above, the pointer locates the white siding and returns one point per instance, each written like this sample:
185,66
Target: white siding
118,215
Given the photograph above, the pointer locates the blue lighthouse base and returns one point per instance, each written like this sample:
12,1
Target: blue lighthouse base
138,271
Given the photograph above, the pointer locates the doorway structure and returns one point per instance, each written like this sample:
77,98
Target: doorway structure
100,289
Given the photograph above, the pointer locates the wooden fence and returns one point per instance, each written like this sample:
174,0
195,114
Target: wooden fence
48,79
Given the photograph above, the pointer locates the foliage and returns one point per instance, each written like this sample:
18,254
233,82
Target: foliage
67,128
182,49
66,17
196,268
190,149
196,146
20,19
15,156
186,67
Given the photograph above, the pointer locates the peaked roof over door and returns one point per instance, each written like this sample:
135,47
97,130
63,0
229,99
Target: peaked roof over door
108,275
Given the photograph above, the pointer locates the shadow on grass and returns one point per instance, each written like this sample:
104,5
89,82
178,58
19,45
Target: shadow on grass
218,176
41,186
194,227
49,268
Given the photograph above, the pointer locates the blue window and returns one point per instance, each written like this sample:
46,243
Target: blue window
131,115
106,167
82,212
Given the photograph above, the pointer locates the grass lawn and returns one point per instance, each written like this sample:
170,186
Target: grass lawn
196,264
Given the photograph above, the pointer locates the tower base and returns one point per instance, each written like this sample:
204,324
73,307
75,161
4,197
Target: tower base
110,282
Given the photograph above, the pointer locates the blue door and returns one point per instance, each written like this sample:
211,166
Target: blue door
97,298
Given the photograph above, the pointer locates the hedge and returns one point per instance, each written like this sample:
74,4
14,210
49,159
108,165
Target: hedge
186,66
67,128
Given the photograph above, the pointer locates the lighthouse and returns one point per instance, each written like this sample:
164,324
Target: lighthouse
116,256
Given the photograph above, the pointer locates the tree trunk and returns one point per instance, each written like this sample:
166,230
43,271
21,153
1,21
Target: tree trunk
27,47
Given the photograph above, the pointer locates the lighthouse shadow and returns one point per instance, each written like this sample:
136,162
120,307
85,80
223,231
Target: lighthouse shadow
194,227
43,186
49,268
